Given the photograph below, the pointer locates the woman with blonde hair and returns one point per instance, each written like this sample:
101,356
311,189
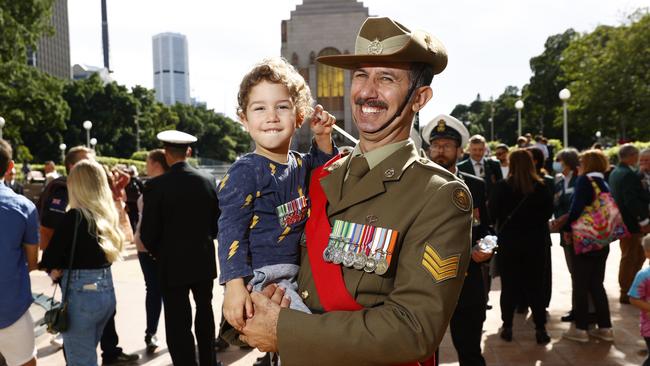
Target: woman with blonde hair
589,267
92,216
521,205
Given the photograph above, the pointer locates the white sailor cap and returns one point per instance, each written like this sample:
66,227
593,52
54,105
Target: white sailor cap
445,126
173,137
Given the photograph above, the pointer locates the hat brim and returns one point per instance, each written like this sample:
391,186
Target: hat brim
351,62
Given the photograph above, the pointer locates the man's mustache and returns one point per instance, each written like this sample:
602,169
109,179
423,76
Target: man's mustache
375,103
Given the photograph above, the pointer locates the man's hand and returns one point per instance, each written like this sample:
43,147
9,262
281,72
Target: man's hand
261,330
480,256
276,294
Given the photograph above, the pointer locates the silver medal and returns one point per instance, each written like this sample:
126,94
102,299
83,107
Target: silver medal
382,266
348,259
359,261
371,264
337,257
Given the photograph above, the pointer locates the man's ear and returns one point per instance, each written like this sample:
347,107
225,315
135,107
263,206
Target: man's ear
9,167
422,96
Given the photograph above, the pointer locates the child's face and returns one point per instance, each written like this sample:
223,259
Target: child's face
270,117
647,254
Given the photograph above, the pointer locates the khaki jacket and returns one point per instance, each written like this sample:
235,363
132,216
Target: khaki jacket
407,309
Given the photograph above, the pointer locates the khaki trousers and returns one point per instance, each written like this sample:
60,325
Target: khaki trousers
632,258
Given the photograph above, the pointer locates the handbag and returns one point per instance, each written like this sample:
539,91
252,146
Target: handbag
56,319
494,266
599,223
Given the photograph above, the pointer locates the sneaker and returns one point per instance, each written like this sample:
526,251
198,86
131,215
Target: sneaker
152,342
57,341
577,335
122,358
606,334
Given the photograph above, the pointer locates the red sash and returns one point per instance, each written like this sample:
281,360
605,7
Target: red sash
328,277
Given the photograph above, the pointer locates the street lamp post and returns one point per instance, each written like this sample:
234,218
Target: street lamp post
93,142
2,125
519,105
87,125
62,147
565,94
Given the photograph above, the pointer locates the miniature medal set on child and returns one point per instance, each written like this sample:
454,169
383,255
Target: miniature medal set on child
362,247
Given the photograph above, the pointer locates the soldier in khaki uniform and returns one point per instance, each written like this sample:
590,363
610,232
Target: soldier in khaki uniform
377,316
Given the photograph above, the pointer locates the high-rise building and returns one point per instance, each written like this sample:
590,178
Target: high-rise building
320,28
171,77
53,52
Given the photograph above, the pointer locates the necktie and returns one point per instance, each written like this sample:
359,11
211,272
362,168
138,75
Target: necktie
357,169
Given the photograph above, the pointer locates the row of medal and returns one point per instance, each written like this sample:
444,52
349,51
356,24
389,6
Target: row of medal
362,247
293,211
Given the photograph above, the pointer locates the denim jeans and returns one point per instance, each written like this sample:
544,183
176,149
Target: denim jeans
91,303
153,298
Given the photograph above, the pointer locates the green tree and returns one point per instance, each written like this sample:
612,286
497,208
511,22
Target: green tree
607,72
22,23
31,103
540,95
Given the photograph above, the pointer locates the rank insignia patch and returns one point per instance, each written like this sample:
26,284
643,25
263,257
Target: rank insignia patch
441,269
461,199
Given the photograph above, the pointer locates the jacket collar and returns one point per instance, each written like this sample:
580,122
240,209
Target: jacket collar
372,184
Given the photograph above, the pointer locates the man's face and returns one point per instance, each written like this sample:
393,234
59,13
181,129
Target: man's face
644,163
444,152
377,93
502,155
477,151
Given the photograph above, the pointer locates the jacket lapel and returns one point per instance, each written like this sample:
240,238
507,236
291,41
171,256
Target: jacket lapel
333,183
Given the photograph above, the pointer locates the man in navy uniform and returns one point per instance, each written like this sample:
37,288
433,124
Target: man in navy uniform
179,225
447,138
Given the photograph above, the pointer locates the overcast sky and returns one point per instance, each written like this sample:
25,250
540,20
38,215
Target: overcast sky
489,42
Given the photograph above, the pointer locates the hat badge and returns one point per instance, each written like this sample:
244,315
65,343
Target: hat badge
442,125
375,47
429,42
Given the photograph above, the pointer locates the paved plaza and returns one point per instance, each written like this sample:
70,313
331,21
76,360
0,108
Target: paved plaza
523,351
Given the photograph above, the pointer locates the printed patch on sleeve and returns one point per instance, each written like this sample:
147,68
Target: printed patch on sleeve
441,269
461,199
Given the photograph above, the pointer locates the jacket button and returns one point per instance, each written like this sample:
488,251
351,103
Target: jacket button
304,295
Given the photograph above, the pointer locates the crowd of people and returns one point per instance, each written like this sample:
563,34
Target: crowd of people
361,257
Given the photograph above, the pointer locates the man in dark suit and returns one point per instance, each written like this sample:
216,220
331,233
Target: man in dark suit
447,136
633,201
10,181
179,225
478,165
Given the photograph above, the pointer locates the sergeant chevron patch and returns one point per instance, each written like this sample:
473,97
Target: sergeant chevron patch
441,269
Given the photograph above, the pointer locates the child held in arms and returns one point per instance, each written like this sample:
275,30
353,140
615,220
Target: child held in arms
640,297
263,198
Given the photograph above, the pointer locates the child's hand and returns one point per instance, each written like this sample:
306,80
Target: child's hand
237,304
321,121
